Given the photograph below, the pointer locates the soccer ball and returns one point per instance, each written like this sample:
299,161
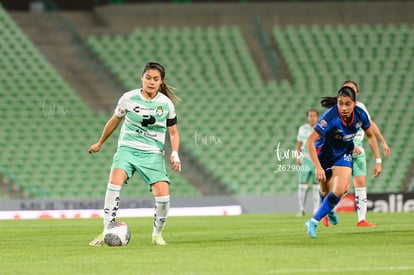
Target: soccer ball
118,234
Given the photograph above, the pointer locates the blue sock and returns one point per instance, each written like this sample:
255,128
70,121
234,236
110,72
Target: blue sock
329,203
321,197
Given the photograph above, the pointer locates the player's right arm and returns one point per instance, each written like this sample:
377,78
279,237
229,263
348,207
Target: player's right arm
310,145
299,144
109,128
299,151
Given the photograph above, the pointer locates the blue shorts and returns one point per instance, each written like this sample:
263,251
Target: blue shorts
344,160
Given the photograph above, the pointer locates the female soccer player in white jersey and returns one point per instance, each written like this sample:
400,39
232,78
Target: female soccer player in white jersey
330,147
307,171
147,114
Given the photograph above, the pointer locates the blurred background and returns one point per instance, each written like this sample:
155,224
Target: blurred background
247,72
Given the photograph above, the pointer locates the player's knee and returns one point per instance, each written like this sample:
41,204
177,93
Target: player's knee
340,188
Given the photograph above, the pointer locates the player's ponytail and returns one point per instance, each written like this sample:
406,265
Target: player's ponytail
167,90
164,88
329,101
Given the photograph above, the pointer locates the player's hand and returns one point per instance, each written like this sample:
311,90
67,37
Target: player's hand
357,150
387,149
320,174
175,161
377,170
94,148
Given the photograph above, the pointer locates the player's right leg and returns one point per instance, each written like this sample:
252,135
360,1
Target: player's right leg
359,172
302,191
315,197
112,199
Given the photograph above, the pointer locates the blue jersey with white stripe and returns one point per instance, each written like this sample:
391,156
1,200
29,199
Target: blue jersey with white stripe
336,135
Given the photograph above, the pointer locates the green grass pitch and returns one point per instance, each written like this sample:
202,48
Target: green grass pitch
245,244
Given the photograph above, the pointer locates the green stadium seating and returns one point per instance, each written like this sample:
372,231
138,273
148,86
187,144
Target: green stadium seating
238,118
379,58
47,129
225,101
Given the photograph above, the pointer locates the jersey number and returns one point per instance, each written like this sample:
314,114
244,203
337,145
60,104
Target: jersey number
147,120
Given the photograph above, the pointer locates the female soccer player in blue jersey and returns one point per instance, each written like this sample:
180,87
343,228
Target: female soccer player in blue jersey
147,114
330,148
359,168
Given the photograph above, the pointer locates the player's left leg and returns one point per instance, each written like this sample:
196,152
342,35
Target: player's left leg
162,205
151,167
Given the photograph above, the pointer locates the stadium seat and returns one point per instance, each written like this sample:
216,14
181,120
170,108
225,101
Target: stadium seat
48,155
224,98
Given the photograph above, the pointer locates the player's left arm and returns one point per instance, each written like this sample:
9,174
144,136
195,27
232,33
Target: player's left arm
374,147
377,132
175,145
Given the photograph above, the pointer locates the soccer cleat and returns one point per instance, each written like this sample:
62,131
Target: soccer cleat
333,217
300,214
98,241
311,228
325,221
158,240
365,223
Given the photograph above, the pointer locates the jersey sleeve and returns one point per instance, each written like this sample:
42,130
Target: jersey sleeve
302,133
172,115
298,137
363,107
366,123
120,110
324,122
363,119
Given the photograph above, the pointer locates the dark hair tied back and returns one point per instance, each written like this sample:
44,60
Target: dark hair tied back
164,88
329,101
347,91
156,66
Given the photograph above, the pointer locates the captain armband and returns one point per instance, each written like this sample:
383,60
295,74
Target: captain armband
171,122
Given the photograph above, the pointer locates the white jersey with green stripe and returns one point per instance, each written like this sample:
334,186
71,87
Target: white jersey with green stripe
359,138
145,123
303,133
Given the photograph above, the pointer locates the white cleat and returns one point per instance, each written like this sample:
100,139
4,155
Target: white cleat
98,241
158,240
